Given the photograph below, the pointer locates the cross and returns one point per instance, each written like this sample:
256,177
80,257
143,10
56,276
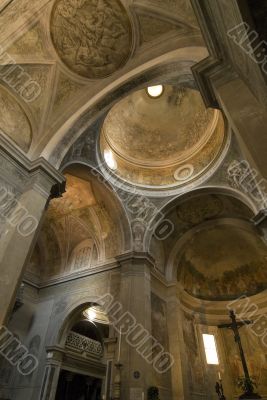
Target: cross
235,325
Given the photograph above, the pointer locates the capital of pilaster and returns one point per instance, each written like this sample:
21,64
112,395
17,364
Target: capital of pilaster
136,258
135,261
18,171
55,354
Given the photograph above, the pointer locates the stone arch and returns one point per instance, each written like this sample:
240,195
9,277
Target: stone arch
117,204
174,66
88,212
70,317
225,203
171,204
213,241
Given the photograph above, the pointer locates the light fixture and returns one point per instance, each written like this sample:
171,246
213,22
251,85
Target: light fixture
155,91
109,158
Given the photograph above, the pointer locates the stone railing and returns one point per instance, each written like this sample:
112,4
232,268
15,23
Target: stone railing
84,344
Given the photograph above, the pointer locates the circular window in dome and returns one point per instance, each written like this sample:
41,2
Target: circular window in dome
155,91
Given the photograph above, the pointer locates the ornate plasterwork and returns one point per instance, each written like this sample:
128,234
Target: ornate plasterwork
43,74
13,120
92,37
30,44
25,28
67,89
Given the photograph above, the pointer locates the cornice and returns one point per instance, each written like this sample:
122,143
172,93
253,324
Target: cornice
98,269
133,257
32,169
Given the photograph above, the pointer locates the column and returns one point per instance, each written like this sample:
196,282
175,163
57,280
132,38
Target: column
177,347
25,189
51,374
135,297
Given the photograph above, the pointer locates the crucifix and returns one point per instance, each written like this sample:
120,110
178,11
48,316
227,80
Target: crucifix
235,325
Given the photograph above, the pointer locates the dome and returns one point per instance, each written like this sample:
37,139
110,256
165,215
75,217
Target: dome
167,140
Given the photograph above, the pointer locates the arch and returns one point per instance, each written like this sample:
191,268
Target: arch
117,204
221,202
70,316
207,268
171,271
205,190
89,217
175,64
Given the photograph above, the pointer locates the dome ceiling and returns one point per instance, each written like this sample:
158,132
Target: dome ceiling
62,58
167,140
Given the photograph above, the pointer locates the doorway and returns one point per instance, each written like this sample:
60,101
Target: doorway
72,386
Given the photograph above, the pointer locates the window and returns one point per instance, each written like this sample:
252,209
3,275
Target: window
210,349
155,91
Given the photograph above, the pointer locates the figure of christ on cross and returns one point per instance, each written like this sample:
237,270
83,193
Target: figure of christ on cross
235,325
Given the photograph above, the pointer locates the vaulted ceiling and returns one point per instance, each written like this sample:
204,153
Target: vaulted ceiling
60,58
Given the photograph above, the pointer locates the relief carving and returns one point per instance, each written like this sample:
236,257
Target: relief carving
92,37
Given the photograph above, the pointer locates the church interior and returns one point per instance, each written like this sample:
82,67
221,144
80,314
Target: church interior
133,199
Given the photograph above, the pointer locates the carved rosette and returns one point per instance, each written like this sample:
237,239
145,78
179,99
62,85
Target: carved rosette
92,37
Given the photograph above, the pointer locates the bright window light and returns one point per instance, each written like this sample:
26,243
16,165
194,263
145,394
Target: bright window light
210,349
90,314
155,91
109,158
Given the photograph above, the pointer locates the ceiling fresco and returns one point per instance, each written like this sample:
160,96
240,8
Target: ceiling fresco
80,229
223,262
190,213
165,141
78,195
76,49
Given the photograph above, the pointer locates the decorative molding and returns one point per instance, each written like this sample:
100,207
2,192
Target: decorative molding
39,171
136,258
227,60
95,270
84,344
